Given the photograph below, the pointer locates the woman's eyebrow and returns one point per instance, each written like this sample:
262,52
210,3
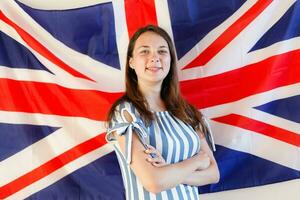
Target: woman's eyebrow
146,46
143,46
163,47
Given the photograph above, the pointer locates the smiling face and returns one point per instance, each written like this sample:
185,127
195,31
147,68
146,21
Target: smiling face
150,58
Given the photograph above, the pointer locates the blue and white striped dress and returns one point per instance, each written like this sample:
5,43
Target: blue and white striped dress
174,139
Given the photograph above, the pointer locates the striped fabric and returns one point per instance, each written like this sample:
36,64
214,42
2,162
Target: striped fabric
174,139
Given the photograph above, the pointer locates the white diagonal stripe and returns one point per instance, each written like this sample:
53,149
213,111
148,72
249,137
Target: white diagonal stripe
82,63
62,172
257,144
74,132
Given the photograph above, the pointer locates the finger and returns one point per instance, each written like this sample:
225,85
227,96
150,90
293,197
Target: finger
153,152
153,155
203,153
158,164
153,160
150,147
150,151
156,160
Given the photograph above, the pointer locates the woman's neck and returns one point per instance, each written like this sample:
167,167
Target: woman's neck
152,95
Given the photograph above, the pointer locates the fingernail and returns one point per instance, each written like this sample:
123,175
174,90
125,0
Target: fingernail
153,155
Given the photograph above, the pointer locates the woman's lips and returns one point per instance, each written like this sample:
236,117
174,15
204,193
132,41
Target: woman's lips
153,69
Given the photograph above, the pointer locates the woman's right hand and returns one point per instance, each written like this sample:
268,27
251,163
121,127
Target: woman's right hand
157,159
202,159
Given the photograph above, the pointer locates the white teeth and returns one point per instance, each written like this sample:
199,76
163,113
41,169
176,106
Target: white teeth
153,68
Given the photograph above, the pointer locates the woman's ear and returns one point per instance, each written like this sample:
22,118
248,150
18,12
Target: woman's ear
130,63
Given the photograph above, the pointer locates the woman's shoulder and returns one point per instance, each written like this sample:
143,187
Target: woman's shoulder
125,105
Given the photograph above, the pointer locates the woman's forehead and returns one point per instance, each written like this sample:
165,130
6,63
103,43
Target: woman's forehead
150,39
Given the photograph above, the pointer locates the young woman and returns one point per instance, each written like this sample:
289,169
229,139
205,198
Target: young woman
158,137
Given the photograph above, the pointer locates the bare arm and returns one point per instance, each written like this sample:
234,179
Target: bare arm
204,176
157,179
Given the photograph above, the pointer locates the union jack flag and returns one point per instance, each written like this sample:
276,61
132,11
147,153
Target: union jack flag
62,66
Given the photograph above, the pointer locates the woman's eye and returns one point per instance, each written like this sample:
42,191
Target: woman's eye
162,51
144,51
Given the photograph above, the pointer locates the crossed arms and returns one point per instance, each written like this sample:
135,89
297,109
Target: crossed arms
157,176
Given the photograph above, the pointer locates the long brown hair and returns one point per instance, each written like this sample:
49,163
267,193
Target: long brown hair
170,91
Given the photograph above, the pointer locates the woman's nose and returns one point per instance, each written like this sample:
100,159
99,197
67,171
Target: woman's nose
154,58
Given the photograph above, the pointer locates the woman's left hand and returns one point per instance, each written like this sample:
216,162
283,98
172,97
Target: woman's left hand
157,160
